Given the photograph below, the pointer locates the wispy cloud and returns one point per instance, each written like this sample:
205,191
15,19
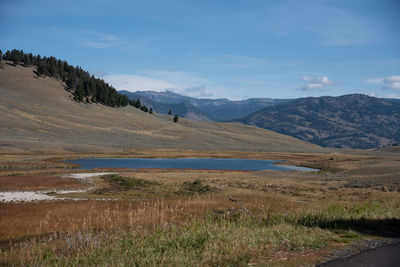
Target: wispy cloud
198,92
94,39
374,81
333,26
316,83
231,61
98,40
160,80
131,82
392,82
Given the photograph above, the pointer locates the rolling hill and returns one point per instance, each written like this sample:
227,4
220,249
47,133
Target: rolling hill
354,121
202,109
183,109
39,114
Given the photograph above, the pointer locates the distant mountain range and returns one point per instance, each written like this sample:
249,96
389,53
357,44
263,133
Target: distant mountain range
355,121
349,121
201,109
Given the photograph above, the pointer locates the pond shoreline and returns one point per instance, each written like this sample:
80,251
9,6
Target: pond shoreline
226,164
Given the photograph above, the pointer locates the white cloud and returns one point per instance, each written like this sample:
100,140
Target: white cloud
374,81
99,74
179,82
198,92
98,40
392,82
93,39
317,79
316,82
392,96
179,79
333,26
231,61
130,82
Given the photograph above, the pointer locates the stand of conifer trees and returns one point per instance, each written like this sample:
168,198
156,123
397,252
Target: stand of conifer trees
85,87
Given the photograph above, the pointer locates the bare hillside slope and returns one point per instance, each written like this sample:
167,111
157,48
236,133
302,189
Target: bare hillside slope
39,114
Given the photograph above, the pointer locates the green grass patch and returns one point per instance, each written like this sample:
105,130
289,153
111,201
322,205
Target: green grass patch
206,242
195,187
128,182
120,183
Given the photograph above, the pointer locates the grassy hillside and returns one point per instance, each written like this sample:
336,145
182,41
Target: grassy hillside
39,114
354,121
183,109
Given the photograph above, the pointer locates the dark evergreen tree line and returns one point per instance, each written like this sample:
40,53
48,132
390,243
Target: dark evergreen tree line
137,104
84,86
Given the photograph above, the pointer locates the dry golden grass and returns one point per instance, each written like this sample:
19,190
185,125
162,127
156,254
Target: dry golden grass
26,219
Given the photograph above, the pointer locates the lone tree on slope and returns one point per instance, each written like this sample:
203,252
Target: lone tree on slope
176,118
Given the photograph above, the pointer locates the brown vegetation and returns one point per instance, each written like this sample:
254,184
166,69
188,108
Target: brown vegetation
36,182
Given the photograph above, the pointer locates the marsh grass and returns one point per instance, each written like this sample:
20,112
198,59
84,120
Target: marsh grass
195,187
216,239
126,183
193,243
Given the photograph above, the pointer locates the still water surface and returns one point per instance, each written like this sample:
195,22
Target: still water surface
196,164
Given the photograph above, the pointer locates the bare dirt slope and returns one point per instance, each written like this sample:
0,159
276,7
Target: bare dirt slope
38,114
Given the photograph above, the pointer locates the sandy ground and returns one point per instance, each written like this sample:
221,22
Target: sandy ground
87,175
42,195
24,196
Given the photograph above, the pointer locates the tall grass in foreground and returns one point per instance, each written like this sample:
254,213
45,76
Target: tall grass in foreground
217,239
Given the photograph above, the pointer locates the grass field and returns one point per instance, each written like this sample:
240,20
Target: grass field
187,217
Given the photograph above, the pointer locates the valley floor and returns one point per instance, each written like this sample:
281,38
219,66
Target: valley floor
198,217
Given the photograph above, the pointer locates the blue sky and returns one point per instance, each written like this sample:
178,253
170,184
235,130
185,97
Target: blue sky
218,49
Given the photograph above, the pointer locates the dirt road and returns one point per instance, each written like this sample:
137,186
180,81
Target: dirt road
387,256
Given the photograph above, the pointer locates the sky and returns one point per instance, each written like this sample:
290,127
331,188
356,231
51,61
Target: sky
218,49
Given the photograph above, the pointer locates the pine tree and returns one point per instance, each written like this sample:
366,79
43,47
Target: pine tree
26,60
176,118
40,70
138,103
7,55
15,60
144,108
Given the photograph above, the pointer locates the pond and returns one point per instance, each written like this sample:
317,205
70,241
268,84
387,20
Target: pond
196,164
